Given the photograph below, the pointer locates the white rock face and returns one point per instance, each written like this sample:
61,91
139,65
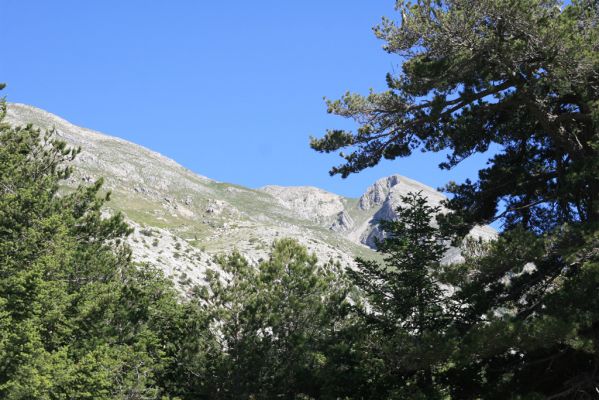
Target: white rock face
307,202
184,263
183,219
376,194
343,222
385,195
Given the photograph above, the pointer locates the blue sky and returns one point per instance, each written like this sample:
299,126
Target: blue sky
231,90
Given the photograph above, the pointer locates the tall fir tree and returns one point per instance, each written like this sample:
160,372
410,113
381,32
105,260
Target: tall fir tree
405,303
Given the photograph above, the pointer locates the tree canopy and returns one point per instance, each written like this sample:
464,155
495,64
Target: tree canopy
517,318
78,319
279,323
520,77
518,74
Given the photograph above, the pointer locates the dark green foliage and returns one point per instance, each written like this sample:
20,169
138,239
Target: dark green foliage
517,319
528,321
520,75
404,304
79,320
402,293
277,324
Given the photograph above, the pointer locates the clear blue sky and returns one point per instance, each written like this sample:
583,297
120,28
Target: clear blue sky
232,90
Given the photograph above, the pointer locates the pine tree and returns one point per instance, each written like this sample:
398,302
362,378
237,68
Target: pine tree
520,77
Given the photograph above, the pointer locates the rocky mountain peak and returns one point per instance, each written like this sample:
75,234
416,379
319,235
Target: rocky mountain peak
377,193
394,186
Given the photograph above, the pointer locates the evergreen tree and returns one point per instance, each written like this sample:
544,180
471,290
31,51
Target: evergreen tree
523,77
404,303
276,323
527,322
77,318
519,75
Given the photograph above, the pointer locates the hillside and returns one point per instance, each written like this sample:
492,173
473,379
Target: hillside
183,219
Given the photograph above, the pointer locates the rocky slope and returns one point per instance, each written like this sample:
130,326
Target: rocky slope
182,219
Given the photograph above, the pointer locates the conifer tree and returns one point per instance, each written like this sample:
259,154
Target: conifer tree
404,302
77,318
276,323
520,78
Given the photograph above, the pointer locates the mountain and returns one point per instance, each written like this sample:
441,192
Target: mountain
183,219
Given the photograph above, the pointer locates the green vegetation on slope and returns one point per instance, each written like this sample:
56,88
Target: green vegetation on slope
517,318
77,319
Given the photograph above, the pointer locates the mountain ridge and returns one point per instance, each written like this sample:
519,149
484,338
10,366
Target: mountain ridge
182,219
